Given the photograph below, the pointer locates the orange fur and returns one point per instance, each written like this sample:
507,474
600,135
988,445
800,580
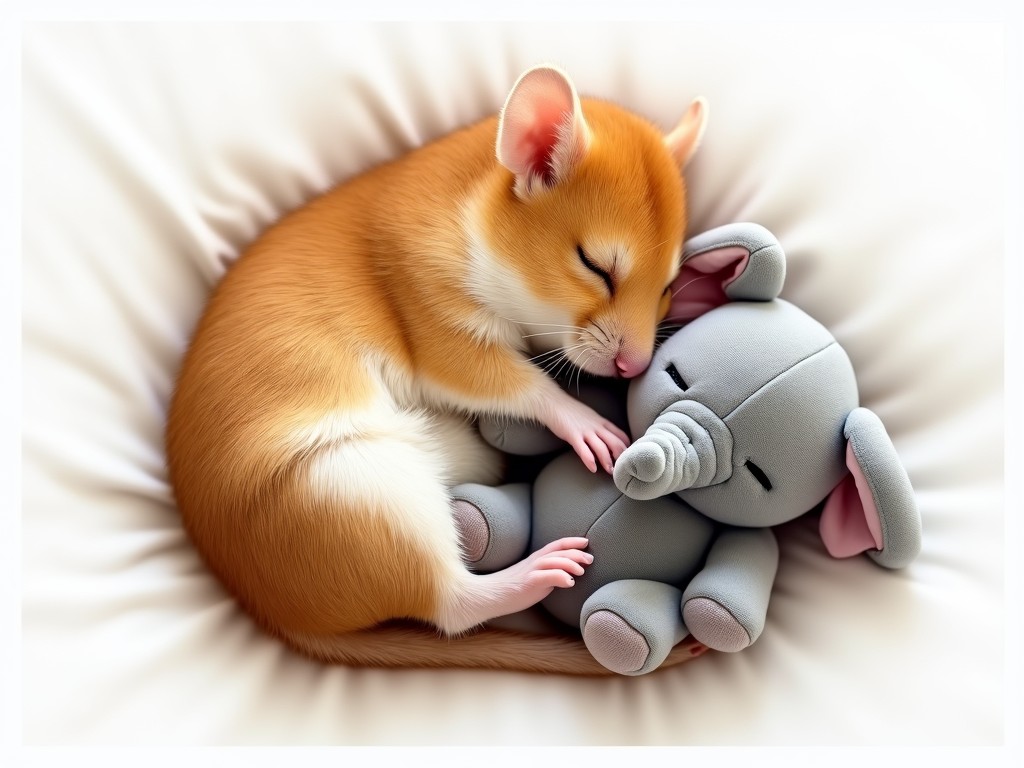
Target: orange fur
319,414
626,192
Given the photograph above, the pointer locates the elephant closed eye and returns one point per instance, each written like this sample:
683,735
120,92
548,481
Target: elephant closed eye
676,377
759,475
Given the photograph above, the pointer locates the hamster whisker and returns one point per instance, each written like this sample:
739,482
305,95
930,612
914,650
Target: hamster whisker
552,357
543,333
607,337
689,282
656,247
541,325
566,362
557,361
579,369
556,351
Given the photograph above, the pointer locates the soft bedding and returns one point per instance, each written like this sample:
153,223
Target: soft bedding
153,154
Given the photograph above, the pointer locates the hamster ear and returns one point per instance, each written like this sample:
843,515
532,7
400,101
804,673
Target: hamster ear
873,509
683,140
735,262
542,135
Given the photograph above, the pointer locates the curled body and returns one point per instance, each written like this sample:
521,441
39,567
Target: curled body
325,404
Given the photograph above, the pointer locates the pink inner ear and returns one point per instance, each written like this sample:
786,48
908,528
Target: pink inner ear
850,523
539,114
536,142
703,279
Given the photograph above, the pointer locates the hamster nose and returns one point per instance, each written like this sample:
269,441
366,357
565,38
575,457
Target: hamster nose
628,367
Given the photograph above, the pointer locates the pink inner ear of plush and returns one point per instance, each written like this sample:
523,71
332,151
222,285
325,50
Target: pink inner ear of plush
850,523
702,281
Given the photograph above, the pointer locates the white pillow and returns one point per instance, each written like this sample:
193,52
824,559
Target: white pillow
152,155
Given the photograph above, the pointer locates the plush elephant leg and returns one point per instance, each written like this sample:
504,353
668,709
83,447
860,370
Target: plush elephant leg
631,625
725,604
493,524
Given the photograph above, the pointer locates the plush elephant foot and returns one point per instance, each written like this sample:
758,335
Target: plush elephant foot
614,643
712,624
631,625
493,523
473,531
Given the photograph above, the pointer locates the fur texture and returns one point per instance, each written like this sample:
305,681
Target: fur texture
324,405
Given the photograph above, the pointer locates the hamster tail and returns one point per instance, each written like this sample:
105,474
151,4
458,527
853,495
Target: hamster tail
408,645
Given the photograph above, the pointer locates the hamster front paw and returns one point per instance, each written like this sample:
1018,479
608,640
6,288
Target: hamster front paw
593,437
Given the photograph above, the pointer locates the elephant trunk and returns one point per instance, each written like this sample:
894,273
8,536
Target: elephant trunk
687,446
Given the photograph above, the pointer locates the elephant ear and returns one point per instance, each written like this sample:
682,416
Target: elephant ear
735,262
873,509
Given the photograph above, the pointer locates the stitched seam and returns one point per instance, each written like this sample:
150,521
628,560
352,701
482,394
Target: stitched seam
601,516
490,538
793,367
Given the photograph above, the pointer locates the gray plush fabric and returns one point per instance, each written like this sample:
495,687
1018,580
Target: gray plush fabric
523,438
792,430
579,496
650,607
725,356
737,576
506,510
474,533
766,270
662,539
687,446
748,429
530,438
614,643
720,629
890,487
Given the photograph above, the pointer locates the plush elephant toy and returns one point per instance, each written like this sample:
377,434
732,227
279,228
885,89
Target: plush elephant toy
747,417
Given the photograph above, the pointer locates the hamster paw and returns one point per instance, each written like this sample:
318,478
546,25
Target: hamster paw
712,624
615,643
